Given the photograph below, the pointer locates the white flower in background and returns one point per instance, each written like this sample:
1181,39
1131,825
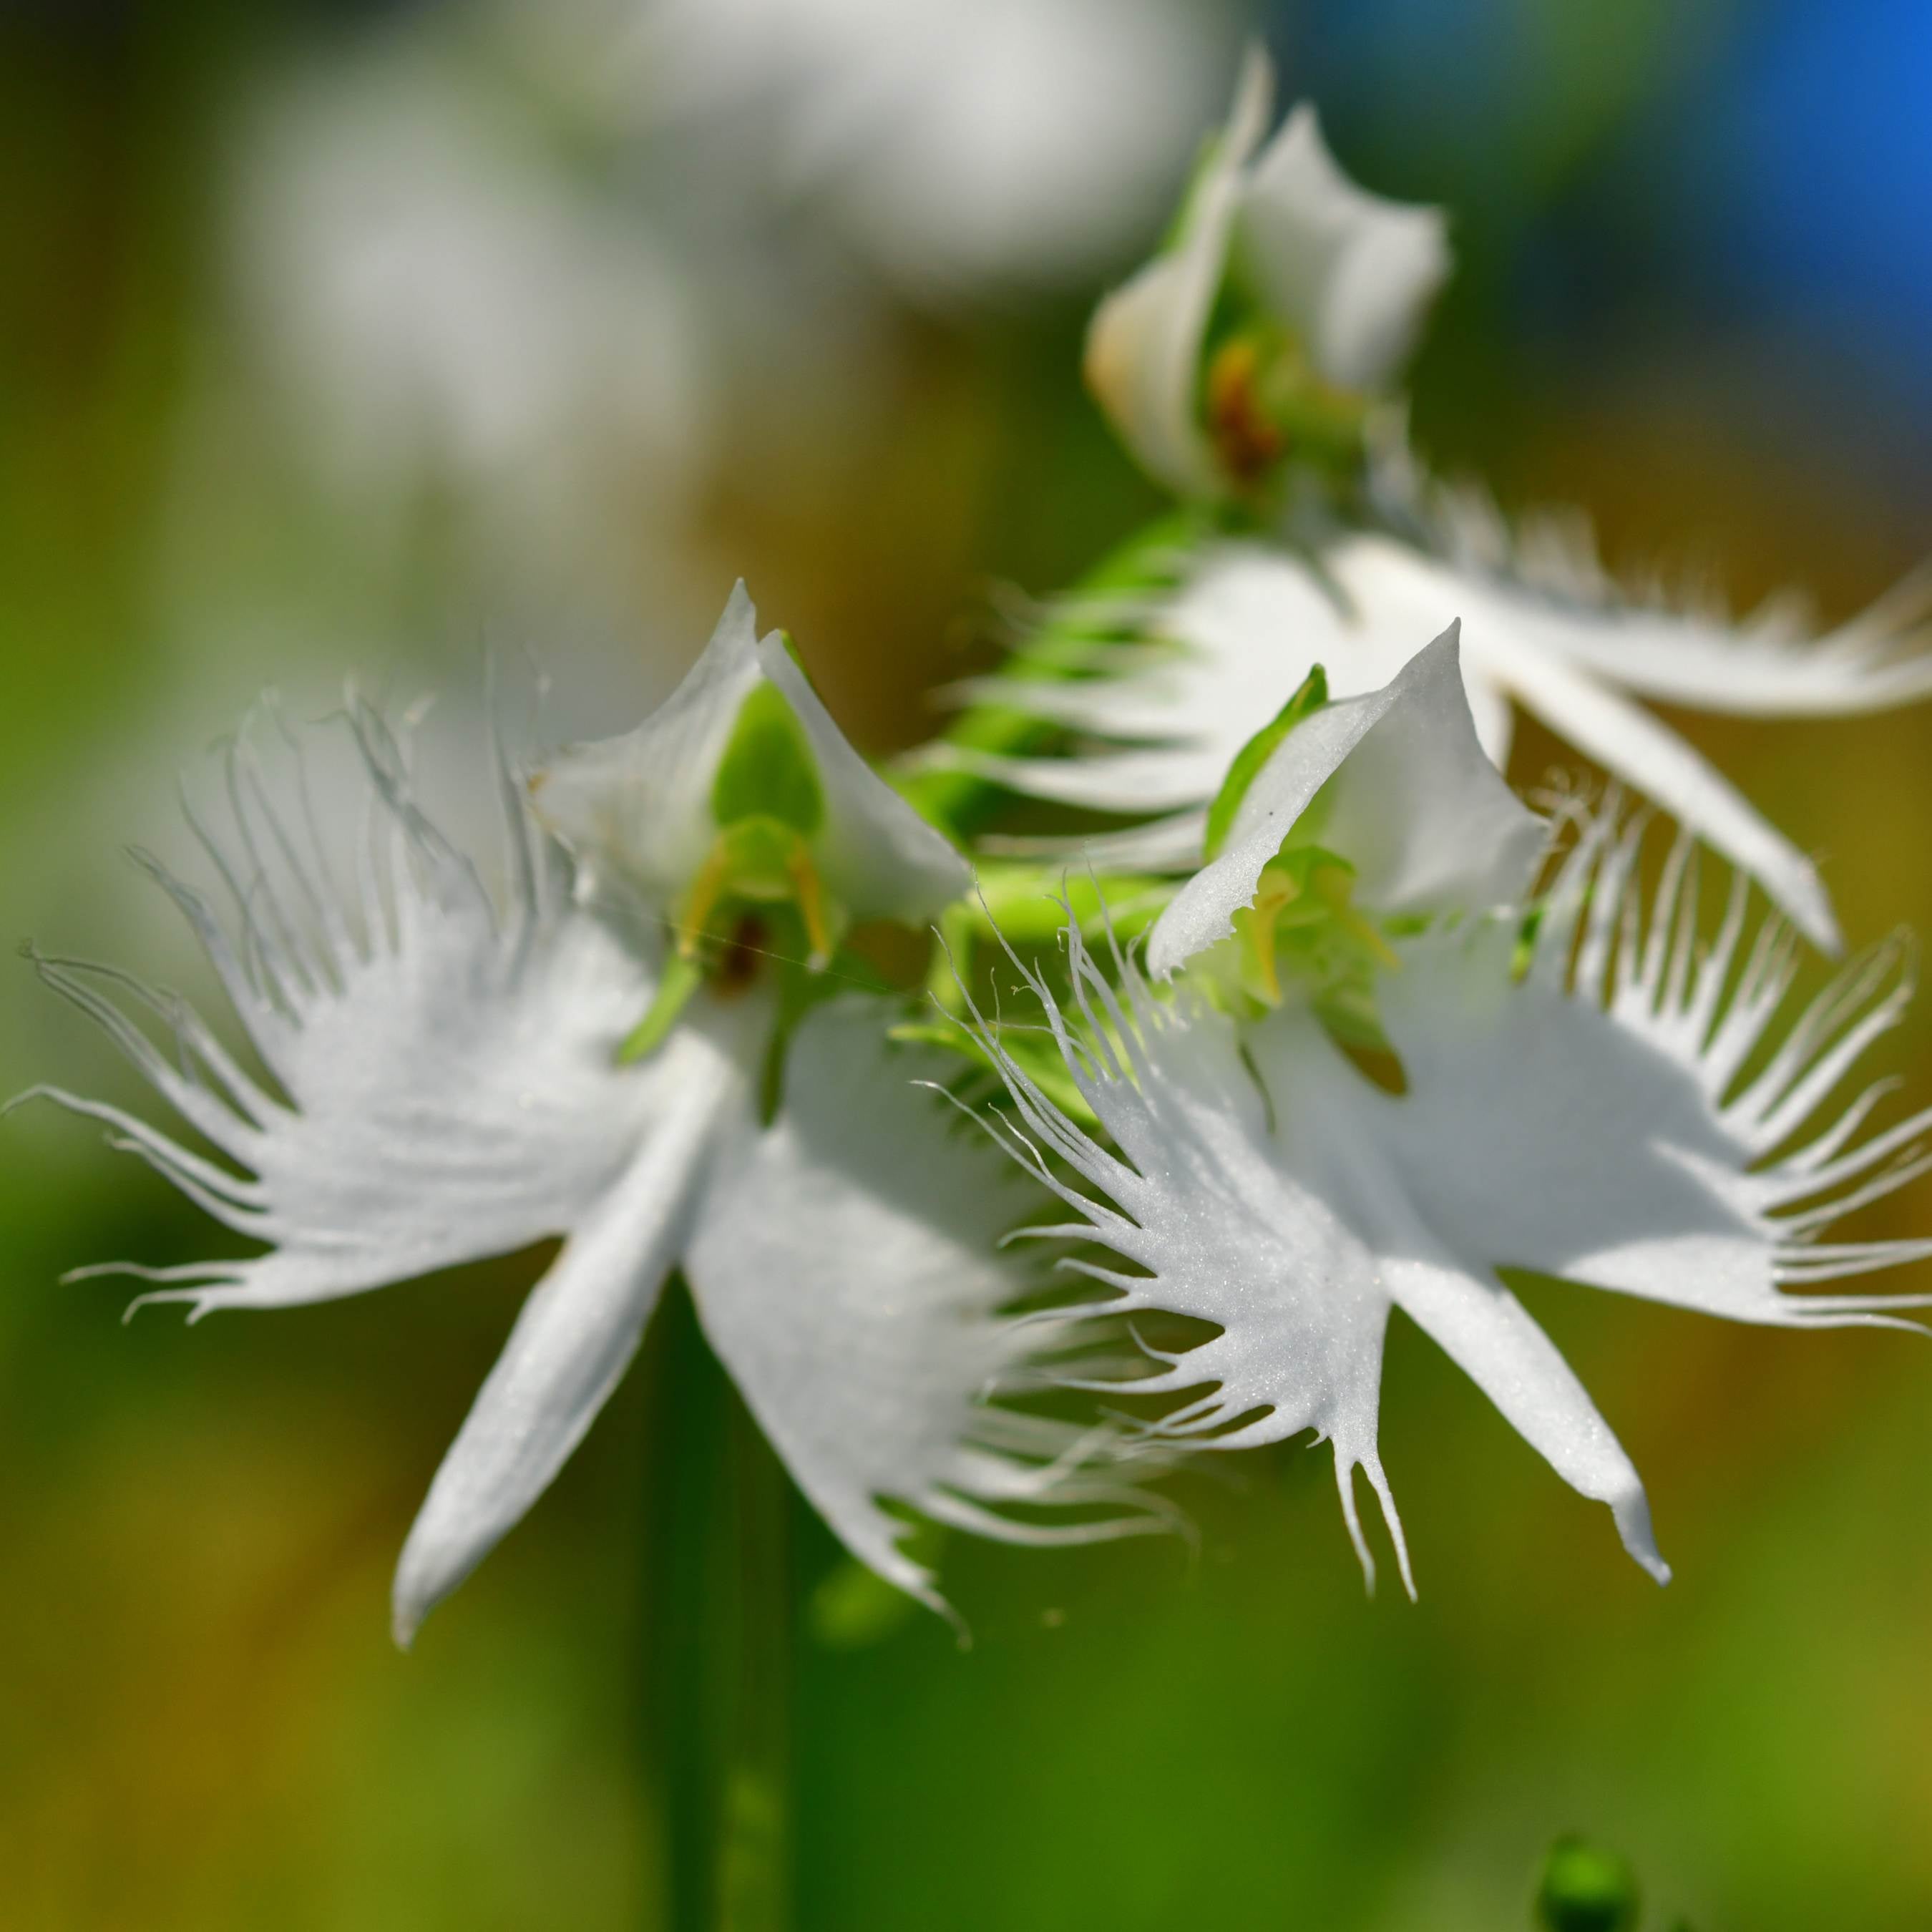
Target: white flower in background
1286,296
455,1079
1166,710
444,304
1581,1094
1354,555
959,143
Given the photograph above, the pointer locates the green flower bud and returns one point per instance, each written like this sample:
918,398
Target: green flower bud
1585,1889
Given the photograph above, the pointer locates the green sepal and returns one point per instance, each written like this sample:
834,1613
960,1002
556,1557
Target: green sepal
767,770
682,976
1309,697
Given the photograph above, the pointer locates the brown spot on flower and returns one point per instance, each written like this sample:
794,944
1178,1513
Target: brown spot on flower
1248,445
737,965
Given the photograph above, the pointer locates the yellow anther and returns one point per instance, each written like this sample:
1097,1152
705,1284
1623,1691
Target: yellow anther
1277,891
714,876
1247,442
810,893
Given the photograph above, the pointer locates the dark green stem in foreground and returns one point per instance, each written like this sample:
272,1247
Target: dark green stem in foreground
719,1718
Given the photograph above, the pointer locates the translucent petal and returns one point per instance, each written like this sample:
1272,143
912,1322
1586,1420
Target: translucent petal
1351,273
638,807
1411,802
578,1330
1144,346
847,1269
880,859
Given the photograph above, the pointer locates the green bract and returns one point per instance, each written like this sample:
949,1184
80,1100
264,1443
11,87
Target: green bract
1311,696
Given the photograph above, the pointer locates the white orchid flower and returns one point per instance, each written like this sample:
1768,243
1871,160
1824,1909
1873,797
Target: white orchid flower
1188,359
452,1079
1322,288
436,303
1582,1095
1238,626
961,145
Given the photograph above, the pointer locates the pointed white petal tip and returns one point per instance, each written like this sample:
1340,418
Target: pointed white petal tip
410,1601
1632,1512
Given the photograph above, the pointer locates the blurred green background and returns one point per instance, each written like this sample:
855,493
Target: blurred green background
356,336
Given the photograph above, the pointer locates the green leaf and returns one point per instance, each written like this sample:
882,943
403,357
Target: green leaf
1311,696
1585,1889
767,770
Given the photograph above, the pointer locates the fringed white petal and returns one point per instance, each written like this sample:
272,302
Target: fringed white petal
1162,720
1637,1158
1251,620
579,1329
846,1268
1680,644
1602,1109
1198,1199
444,1075
1577,1119
1408,798
1396,590
1352,273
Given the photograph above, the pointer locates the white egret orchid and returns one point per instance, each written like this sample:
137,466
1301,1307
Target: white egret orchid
453,1079
1581,1096
1286,296
1190,637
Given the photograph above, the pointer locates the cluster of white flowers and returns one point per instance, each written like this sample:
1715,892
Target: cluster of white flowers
1359,1031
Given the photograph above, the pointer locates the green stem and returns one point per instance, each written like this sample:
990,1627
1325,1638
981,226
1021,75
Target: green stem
719,1717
